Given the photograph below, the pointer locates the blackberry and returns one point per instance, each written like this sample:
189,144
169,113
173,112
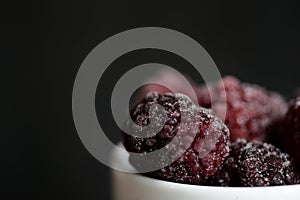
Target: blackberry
255,164
290,131
250,108
262,164
166,80
207,135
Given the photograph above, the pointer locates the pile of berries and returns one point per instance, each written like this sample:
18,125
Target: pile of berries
205,150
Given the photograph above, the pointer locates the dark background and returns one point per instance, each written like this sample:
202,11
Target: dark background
43,44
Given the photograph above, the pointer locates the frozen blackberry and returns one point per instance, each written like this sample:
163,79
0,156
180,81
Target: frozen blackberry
255,164
290,131
250,108
168,81
262,164
207,135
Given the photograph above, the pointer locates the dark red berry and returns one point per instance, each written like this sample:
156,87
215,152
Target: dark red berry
255,164
262,164
207,135
290,132
250,108
166,81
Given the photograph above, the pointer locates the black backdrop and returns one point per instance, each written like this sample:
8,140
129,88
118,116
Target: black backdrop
44,43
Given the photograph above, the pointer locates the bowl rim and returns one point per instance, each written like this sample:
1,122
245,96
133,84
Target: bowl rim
169,183
123,162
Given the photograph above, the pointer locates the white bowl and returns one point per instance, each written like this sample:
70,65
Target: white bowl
130,186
